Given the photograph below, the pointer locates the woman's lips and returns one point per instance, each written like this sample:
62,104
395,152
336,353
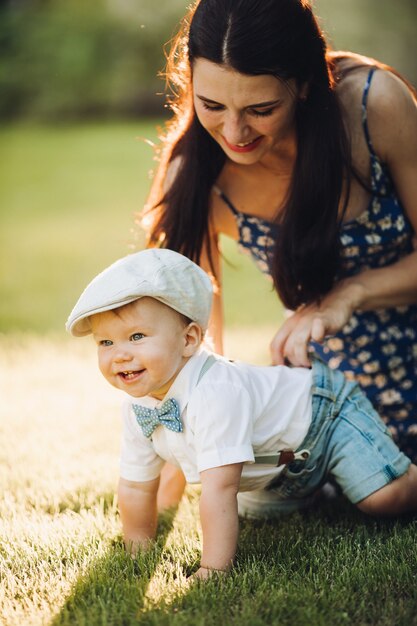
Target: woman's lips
246,147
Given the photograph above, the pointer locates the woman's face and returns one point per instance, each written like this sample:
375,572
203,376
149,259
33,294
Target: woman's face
248,116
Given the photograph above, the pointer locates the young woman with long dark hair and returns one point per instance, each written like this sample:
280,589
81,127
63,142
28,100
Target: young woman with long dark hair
307,158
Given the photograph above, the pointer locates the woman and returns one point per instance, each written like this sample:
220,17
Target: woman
308,159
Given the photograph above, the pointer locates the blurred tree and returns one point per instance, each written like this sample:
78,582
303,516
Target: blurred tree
63,59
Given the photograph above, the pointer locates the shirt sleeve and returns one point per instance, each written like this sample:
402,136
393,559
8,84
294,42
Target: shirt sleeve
223,425
138,459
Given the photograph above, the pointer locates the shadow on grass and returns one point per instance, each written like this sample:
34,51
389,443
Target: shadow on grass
325,566
112,591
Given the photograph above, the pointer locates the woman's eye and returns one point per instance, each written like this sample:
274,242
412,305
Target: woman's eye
212,107
262,113
137,336
106,342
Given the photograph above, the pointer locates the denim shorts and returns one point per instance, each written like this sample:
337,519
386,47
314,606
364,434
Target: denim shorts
347,443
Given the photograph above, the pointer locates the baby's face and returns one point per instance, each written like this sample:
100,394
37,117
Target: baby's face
141,346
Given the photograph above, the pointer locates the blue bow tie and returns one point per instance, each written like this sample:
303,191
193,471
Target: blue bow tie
168,414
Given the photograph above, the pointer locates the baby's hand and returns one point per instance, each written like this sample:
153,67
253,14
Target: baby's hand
203,573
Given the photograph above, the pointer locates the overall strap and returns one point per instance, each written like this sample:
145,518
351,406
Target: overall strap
282,458
211,359
276,458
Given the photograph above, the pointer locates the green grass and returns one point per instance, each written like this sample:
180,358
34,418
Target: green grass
61,556
68,200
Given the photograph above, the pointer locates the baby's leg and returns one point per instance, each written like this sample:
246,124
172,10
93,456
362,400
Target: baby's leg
397,497
367,464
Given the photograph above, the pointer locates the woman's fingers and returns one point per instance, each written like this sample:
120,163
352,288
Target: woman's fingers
310,323
296,346
291,342
318,329
297,352
277,345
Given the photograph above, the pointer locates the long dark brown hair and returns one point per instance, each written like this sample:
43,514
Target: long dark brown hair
281,38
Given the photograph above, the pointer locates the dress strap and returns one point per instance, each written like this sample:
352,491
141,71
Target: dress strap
225,199
365,113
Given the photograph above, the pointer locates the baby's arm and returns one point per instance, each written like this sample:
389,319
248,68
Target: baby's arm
219,518
137,506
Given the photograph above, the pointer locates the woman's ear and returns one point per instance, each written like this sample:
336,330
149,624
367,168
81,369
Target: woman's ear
193,336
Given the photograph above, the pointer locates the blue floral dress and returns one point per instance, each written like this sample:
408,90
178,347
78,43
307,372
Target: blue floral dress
377,348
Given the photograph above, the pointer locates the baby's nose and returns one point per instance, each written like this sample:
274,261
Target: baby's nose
122,355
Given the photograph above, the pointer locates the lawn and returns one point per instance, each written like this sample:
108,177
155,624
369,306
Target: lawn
61,556
68,199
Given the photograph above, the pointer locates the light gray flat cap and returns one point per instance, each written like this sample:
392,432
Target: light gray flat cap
158,273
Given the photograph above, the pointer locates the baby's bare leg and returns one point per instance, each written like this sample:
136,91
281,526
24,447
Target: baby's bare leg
398,497
171,487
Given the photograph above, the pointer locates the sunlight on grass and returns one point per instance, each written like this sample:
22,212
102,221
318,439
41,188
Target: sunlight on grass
62,561
59,442
58,472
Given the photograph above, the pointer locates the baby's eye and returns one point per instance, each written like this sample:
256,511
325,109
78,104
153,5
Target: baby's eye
137,337
105,342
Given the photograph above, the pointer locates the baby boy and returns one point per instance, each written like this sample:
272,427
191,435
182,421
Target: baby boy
263,437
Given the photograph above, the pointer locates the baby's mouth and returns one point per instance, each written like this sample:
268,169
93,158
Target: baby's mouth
130,374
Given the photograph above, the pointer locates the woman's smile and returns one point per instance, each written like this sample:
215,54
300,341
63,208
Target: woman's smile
244,146
249,116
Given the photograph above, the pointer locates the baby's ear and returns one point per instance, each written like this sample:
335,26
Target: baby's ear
193,336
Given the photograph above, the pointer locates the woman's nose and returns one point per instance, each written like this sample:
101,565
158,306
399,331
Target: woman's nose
234,129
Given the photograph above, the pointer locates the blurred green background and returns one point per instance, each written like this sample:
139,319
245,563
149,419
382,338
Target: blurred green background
80,102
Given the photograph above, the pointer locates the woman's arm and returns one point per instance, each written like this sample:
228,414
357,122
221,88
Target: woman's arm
219,518
137,506
392,118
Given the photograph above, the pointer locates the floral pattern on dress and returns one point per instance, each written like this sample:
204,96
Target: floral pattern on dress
379,348
376,348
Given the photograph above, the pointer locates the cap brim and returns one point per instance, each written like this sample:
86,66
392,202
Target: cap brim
81,325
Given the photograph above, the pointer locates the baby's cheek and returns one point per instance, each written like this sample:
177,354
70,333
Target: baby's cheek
104,367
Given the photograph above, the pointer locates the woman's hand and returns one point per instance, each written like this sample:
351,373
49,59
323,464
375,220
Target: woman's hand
314,322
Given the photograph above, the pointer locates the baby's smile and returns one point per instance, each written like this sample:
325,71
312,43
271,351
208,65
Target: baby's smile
130,374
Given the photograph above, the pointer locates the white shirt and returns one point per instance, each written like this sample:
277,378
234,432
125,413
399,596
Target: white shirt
236,411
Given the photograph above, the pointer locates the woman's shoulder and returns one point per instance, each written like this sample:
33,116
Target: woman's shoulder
351,72
386,97
391,113
389,94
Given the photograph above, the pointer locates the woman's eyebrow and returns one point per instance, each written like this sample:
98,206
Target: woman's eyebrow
258,105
